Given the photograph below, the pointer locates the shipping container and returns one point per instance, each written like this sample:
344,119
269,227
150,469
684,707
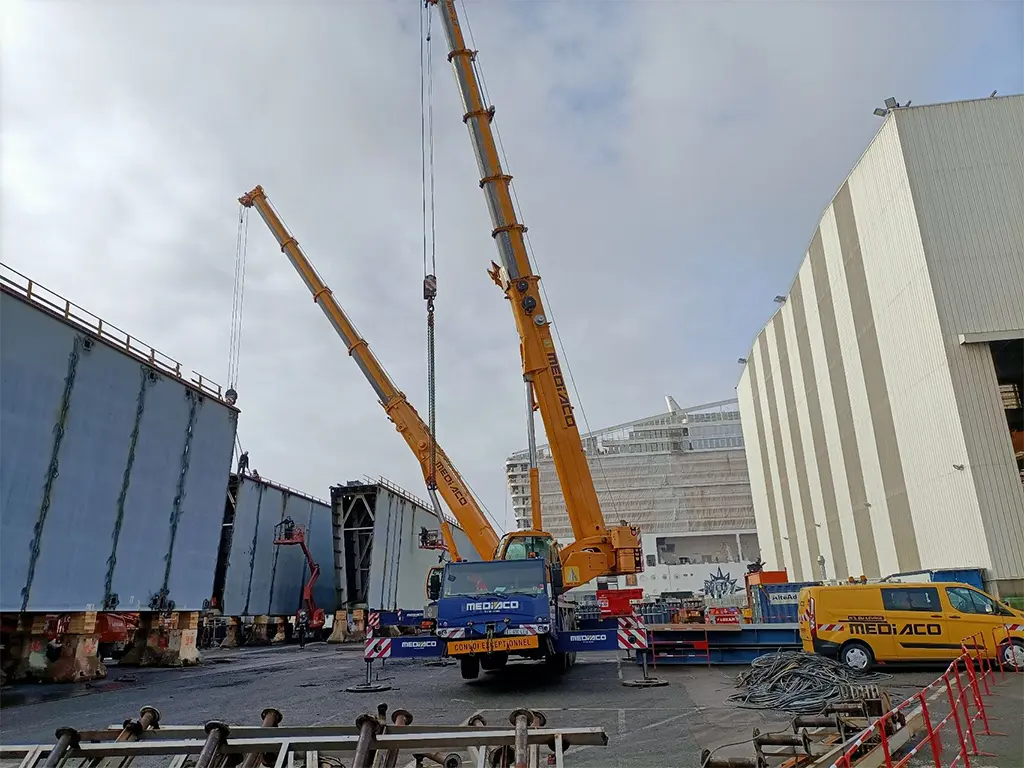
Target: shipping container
777,603
377,553
973,576
262,578
112,473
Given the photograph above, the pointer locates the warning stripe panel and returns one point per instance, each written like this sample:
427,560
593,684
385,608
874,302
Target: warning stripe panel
632,639
377,648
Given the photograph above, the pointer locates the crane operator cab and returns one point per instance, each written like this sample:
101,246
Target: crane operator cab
527,547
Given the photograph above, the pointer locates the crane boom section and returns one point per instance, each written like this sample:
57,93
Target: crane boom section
520,284
454,490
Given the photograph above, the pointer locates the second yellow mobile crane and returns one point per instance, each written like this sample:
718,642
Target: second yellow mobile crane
407,421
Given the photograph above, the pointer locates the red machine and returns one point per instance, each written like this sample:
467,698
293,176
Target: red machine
432,540
618,602
288,533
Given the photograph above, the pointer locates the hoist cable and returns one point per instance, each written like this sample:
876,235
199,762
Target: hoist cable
429,250
238,296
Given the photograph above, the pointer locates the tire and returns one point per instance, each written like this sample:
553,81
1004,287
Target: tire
493,662
1012,654
470,667
557,662
857,656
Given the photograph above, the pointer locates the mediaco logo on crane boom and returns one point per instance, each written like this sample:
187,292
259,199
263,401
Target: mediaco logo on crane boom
563,393
442,470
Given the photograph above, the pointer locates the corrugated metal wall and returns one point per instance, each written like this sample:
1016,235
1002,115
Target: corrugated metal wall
858,399
965,164
264,579
95,453
377,545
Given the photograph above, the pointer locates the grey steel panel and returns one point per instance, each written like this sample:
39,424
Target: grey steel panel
243,539
264,579
61,388
399,567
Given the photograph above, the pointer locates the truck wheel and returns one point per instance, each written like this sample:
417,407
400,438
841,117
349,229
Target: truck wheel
493,662
470,666
857,656
558,661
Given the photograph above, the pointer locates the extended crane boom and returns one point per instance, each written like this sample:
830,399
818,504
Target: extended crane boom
598,550
407,421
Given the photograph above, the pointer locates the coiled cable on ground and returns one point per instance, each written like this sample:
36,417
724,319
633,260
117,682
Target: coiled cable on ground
797,682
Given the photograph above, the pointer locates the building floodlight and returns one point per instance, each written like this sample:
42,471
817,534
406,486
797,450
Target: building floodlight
891,103
881,112
993,94
779,299
741,360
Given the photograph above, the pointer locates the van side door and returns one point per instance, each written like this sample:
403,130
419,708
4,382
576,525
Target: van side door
918,624
975,612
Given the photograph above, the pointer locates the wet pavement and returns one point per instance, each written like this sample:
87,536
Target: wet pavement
653,727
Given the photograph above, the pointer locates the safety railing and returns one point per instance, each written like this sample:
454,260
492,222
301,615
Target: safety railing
49,301
266,481
965,694
397,489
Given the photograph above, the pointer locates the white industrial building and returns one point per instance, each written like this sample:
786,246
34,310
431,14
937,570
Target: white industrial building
881,404
681,476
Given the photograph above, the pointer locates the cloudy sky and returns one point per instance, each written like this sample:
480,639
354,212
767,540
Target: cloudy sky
671,158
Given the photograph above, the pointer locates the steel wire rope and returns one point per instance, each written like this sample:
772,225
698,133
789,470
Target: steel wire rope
429,230
427,176
533,257
238,296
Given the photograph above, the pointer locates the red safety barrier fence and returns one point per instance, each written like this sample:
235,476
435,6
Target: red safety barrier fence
964,693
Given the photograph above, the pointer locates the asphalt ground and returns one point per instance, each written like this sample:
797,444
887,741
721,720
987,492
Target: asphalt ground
655,727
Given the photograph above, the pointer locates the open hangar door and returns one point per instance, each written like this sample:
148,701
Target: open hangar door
1008,359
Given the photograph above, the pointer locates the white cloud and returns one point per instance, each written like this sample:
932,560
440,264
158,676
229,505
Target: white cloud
671,159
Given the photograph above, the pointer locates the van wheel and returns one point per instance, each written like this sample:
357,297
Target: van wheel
1013,654
857,656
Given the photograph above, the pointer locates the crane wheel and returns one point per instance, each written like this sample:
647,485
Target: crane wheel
470,667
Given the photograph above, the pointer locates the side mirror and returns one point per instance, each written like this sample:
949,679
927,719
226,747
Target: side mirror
434,586
556,580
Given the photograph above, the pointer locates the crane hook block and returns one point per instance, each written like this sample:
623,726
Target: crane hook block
429,287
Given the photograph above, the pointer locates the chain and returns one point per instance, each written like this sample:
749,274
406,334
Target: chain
252,549
52,471
110,600
179,497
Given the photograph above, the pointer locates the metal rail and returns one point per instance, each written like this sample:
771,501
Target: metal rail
51,302
397,489
289,746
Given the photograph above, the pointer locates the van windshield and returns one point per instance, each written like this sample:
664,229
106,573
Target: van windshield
497,577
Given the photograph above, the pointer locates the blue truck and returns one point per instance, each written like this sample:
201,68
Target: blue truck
488,612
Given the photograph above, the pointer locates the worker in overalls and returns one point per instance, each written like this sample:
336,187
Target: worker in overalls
302,626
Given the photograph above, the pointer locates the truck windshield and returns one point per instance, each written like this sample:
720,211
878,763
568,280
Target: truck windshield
497,577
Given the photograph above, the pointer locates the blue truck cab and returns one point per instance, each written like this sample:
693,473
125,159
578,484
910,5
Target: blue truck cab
490,611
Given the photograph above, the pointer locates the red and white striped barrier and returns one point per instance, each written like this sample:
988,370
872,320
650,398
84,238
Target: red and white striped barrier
632,633
377,648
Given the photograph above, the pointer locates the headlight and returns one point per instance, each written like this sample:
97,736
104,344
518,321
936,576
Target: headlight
444,623
542,618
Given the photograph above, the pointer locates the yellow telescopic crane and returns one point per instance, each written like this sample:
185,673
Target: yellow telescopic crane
407,421
598,550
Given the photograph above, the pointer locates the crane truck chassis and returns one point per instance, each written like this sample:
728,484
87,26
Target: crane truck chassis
522,614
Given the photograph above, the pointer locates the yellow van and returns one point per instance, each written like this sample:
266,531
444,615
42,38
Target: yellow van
861,624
